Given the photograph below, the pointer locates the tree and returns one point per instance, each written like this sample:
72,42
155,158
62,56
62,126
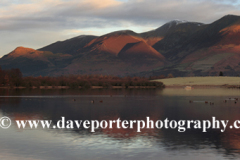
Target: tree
15,77
221,73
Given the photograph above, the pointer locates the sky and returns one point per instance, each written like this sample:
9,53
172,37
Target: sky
37,23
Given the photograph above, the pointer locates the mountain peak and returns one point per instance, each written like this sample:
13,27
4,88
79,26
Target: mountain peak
230,15
122,32
22,50
176,22
228,19
173,26
81,37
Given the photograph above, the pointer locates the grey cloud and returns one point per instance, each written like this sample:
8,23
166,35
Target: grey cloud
143,12
77,15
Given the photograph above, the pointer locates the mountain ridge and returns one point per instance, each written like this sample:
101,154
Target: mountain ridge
179,47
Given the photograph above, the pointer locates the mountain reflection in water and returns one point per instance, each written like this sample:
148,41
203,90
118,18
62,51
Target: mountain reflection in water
126,105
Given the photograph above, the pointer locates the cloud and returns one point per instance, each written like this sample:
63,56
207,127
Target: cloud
55,17
59,14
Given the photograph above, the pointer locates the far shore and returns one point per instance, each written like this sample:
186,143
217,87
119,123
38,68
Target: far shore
92,87
201,82
196,86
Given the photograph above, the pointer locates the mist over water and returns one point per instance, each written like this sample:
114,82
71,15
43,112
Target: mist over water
136,104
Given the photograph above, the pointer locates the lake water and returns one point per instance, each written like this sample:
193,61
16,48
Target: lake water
121,144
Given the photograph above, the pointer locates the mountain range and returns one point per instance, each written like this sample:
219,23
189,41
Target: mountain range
178,47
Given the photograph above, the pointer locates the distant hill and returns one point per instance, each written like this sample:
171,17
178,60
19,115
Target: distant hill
178,47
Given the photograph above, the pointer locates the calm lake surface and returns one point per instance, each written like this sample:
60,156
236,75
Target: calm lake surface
121,144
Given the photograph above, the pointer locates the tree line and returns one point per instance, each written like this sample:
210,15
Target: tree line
14,78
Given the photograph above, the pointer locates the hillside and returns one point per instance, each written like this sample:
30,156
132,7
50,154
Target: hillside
181,48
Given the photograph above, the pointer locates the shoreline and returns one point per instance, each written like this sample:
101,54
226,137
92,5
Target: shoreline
92,87
201,82
194,86
203,86
129,87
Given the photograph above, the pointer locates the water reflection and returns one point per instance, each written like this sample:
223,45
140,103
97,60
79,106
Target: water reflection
133,105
